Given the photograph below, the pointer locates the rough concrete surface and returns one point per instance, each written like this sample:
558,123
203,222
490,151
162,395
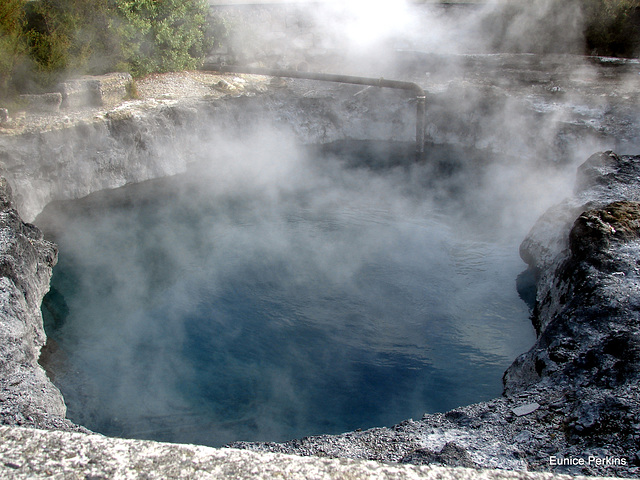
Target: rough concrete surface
29,453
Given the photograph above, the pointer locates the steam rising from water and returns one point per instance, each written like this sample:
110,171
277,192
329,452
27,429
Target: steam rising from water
367,33
270,294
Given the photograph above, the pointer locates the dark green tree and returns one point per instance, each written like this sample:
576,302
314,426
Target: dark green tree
163,35
612,27
12,41
67,37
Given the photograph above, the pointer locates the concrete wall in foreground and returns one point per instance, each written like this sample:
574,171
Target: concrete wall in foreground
30,453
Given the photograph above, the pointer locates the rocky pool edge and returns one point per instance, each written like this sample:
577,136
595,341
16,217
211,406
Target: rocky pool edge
571,403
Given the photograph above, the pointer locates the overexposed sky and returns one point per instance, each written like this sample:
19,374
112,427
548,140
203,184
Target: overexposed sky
363,2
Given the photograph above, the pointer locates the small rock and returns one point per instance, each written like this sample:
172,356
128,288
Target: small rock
523,437
587,421
526,409
278,82
224,85
94,91
4,115
45,102
450,454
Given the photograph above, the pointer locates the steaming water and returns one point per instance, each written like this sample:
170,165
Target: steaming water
245,303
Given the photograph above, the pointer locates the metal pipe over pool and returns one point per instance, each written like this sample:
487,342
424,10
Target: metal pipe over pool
421,99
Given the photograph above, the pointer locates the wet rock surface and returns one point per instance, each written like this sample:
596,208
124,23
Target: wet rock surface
572,403
27,397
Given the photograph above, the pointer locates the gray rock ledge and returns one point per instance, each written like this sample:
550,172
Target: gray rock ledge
29,453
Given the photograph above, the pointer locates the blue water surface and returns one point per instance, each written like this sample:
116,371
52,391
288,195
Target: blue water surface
219,305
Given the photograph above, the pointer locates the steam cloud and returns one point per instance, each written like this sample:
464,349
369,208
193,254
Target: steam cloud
276,214
266,293
366,34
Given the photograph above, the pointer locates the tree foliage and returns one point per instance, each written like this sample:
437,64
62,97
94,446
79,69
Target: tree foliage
162,36
612,27
12,45
43,40
53,38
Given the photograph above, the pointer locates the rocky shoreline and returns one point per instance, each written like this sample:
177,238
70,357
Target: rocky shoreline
572,403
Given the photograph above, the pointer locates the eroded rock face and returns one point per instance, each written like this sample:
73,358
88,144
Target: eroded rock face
588,308
595,230
154,139
27,397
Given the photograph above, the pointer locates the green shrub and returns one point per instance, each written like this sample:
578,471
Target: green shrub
132,91
612,27
68,37
12,42
163,36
